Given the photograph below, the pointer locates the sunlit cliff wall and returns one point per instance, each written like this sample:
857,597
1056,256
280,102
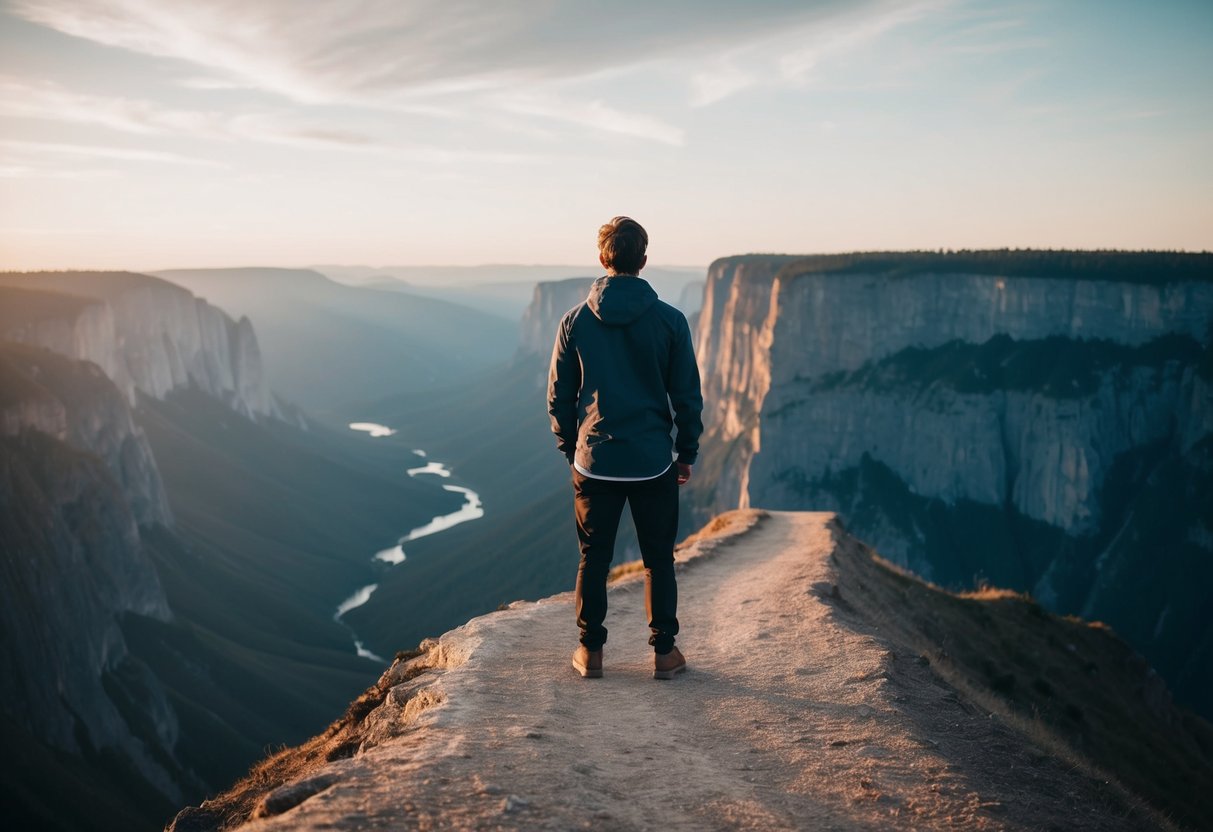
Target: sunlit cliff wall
976,422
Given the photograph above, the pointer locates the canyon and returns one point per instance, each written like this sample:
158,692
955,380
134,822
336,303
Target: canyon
174,539
1040,421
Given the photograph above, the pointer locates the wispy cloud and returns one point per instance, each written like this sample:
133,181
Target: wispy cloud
455,60
852,32
719,81
41,152
148,119
11,171
795,55
377,48
202,82
989,32
594,115
46,100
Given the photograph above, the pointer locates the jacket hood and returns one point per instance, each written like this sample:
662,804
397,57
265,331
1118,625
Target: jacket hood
617,300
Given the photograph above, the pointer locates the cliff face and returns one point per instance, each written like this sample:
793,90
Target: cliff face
75,403
732,344
787,347
144,333
549,302
970,425
76,480
1047,453
79,491
552,298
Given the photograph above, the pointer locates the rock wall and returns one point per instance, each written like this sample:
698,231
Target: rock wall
76,481
550,300
826,322
732,345
75,403
767,333
147,335
1047,456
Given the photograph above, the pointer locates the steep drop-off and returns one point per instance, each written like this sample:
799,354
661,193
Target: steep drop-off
985,416
492,430
76,481
171,572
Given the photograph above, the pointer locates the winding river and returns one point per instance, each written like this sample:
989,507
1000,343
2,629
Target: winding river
394,555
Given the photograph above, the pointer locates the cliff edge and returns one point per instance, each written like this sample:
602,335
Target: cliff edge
817,697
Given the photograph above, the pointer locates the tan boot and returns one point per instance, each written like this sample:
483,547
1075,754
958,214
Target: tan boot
665,665
588,662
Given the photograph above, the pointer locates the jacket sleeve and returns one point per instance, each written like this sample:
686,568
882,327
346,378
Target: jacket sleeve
564,385
685,396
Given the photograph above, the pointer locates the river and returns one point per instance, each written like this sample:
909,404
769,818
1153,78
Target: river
471,509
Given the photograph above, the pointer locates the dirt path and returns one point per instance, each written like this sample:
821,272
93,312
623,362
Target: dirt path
789,717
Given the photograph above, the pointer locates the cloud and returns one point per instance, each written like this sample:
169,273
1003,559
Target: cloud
146,118
18,153
201,82
10,171
792,56
46,100
595,115
382,48
852,32
718,82
463,61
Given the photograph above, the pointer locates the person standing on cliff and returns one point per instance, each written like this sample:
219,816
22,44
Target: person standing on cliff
623,377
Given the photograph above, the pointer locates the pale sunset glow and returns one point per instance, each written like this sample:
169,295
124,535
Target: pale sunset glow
149,134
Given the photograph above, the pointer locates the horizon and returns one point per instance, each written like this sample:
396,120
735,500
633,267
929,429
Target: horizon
377,270
140,133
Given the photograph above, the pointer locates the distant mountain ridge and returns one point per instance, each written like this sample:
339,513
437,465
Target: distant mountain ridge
327,344
505,290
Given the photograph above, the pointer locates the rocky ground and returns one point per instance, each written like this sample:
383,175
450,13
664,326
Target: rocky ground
795,713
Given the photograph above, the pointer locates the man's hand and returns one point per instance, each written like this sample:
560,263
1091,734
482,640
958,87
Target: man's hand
684,473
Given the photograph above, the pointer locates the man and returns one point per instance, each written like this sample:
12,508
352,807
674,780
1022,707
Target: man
622,360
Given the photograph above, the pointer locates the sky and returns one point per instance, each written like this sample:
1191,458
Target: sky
150,134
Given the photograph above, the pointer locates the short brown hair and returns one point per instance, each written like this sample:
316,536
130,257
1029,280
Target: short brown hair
622,243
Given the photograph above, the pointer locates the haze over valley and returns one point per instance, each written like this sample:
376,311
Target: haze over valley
286,539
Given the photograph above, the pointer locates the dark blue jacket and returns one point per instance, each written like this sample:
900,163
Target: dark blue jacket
622,360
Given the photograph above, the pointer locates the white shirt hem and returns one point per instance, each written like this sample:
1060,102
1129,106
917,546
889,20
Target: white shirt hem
586,473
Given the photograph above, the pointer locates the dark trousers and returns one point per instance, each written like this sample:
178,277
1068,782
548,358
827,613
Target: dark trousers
599,505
